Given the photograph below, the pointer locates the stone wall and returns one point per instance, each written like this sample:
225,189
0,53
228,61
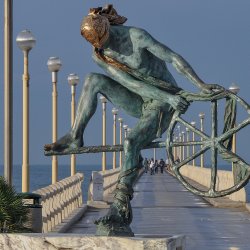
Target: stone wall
104,183
225,180
90,242
59,200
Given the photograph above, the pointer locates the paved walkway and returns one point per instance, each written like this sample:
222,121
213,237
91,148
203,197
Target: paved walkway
162,207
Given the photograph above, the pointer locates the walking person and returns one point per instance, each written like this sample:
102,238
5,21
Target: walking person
156,166
145,164
162,165
151,166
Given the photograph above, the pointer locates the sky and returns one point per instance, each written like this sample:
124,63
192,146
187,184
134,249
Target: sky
213,36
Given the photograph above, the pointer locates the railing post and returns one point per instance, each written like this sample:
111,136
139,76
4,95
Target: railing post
120,123
114,112
104,102
193,139
202,116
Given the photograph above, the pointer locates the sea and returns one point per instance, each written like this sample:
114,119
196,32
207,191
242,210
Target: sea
40,176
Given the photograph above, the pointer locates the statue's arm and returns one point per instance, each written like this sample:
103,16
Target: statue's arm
139,87
146,41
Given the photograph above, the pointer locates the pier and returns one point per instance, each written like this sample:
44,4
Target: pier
203,144
163,207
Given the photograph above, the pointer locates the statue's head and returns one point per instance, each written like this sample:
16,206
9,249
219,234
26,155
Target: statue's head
95,29
95,26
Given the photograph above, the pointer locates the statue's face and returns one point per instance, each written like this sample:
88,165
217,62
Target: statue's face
95,29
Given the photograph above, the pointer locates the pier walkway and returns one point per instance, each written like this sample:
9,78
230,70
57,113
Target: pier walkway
163,207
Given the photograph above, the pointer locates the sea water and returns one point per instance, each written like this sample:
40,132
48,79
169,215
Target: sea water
40,176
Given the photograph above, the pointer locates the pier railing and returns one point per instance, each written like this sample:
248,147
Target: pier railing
59,200
225,179
103,183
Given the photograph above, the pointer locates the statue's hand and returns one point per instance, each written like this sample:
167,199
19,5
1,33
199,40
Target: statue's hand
209,88
179,103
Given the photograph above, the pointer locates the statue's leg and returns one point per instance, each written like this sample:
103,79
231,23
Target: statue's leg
119,216
94,84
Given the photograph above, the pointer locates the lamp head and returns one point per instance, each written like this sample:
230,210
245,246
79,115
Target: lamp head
114,111
73,79
201,115
54,64
25,40
193,123
103,99
234,88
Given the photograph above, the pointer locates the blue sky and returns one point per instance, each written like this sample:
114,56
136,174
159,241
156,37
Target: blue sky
213,36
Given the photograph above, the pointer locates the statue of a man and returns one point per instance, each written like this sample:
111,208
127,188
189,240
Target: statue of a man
137,80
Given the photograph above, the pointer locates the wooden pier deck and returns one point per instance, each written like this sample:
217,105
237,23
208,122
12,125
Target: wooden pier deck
163,207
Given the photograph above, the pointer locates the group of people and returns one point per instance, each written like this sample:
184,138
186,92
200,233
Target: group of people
154,166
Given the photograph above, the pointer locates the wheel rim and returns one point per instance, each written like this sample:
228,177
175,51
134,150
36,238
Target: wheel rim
215,144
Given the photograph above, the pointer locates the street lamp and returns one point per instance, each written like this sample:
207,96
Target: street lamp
54,64
235,89
8,90
179,139
73,80
104,102
187,138
183,147
114,112
120,122
202,116
176,150
25,41
193,139
180,148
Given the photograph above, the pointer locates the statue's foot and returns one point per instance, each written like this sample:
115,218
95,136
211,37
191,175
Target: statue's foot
115,222
66,143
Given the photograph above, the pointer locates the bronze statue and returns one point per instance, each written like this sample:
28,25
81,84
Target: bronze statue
138,81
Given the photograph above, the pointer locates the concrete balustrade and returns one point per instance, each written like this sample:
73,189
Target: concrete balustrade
59,200
103,184
225,180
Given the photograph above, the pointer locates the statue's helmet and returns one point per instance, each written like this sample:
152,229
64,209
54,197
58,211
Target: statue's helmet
95,29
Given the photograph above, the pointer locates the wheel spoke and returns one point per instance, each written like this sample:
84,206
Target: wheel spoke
214,148
189,143
229,156
195,130
234,130
188,159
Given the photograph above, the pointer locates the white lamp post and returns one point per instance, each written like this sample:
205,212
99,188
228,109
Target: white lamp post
176,149
179,139
235,89
193,139
25,41
120,122
202,116
54,64
104,102
114,112
8,90
73,80
183,147
187,138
